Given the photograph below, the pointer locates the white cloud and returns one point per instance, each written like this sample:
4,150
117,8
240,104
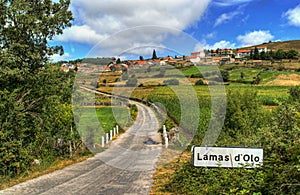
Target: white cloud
293,16
82,34
221,44
57,57
225,17
210,35
96,21
255,38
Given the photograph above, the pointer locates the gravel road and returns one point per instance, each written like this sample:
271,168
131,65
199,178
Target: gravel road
125,167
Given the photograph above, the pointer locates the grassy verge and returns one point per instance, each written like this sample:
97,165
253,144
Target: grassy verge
40,170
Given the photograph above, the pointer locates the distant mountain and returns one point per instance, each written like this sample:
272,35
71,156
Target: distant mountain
285,45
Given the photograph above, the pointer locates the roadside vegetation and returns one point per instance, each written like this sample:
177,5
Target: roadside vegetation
257,115
37,121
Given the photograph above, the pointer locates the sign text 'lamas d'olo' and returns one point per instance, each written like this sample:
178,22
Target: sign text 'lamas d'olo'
227,157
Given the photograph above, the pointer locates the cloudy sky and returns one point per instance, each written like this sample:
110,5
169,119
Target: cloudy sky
135,27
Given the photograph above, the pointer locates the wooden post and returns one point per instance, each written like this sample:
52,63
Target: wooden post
114,132
117,127
111,135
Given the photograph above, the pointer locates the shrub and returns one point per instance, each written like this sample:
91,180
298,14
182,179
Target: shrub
200,82
295,92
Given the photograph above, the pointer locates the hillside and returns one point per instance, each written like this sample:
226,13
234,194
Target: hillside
285,45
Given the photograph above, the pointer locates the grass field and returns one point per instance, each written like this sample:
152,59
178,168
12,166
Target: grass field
101,120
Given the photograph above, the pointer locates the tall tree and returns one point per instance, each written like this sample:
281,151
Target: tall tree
33,100
154,56
256,54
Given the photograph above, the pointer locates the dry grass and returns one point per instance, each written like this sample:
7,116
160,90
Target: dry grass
36,172
285,80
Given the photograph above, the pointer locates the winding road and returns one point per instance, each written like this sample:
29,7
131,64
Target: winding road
125,167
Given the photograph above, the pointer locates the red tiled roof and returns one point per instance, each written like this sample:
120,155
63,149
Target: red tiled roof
196,53
243,51
192,57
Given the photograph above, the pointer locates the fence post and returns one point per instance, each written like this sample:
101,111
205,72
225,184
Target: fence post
103,144
106,138
117,129
114,131
165,136
111,134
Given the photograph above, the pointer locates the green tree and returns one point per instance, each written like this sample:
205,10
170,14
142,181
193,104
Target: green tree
26,27
118,61
256,54
292,54
263,55
280,54
225,75
200,82
242,75
35,101
251,54
271,55
154,56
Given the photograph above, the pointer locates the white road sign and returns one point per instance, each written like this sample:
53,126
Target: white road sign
227,157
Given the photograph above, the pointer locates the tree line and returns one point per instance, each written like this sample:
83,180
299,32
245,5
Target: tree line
280,54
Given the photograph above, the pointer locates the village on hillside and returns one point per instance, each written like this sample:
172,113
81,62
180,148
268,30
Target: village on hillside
261,55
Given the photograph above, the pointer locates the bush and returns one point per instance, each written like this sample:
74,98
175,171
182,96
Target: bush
200,82
225,75
295,92
199,75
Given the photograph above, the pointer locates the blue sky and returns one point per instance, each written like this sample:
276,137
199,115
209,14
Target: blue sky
129,28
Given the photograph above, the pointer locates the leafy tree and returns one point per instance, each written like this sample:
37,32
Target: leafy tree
292,54
271,55
35,102
280,54
26,27
225,75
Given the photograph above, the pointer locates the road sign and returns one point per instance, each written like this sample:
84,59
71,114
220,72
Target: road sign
227,157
